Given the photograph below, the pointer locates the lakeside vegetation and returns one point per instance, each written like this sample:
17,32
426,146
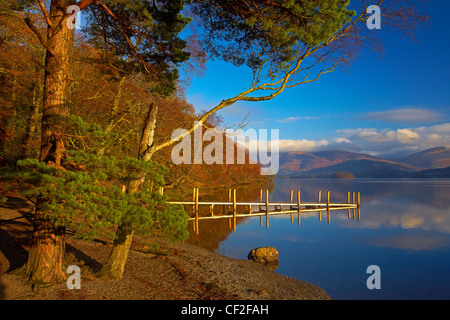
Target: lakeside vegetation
88,115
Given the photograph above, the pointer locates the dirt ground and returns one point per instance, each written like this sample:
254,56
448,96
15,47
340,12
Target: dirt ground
173,272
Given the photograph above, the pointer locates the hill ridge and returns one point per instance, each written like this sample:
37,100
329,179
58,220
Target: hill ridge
328,162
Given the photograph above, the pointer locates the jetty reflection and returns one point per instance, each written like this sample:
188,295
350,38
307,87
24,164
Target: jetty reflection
404,227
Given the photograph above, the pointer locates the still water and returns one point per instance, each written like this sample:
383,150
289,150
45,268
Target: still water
404,230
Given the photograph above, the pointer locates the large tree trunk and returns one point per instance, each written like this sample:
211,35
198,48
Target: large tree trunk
32,123
46,262
115,264
112,116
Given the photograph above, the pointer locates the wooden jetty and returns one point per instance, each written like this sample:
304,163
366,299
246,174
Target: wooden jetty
266,208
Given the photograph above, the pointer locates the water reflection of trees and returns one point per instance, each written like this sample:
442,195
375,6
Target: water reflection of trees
213,231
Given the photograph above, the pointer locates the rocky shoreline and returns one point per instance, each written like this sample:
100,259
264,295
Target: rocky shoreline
182,272
172,271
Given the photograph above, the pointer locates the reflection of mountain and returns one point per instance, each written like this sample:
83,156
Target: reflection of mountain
431,193
324,164
407,204
411,216
420,207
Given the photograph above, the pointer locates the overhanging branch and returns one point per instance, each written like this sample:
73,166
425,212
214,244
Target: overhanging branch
38,34
45,13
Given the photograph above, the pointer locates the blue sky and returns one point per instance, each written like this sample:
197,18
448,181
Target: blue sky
391,106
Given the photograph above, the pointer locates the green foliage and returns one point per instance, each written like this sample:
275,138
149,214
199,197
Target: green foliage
248,31
86,136
88,196
142,36
90,200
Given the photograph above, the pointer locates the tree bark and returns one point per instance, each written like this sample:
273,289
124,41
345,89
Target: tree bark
59,45
46,261
113,114
32,123
115,264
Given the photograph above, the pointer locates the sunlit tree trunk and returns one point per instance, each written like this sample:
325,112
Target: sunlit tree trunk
46,262
115,264
32,123
114,112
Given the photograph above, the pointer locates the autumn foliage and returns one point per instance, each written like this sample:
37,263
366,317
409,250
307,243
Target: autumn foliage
101,94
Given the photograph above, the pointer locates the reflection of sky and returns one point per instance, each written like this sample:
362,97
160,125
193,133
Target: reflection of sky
404,228
406,215
408,204
412,241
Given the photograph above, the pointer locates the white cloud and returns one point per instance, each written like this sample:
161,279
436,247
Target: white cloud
301,145
288,119
378,142
404,115
293,119
392,142
436,129
407,136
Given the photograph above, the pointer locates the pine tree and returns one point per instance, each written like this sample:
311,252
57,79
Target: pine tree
271,36
87,194
156,25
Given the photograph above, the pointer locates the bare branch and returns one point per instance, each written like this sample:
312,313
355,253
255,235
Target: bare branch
340,48
84,3
38,34
45,13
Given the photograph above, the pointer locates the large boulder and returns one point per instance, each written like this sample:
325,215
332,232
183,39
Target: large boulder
263,254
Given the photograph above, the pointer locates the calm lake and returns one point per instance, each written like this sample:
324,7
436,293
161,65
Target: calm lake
404,230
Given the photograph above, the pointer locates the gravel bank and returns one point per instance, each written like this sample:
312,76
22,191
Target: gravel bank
172,272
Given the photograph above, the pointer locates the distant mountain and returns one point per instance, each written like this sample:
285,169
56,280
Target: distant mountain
341,156
366,168
297,162
429,159
325,164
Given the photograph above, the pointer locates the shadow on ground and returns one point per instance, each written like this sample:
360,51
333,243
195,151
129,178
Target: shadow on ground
16,225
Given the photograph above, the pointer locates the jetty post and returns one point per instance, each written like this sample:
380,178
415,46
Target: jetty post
267,209
196,210
354,211
328,206
290,208
348,202
260,208
234,209
319,200
359,206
